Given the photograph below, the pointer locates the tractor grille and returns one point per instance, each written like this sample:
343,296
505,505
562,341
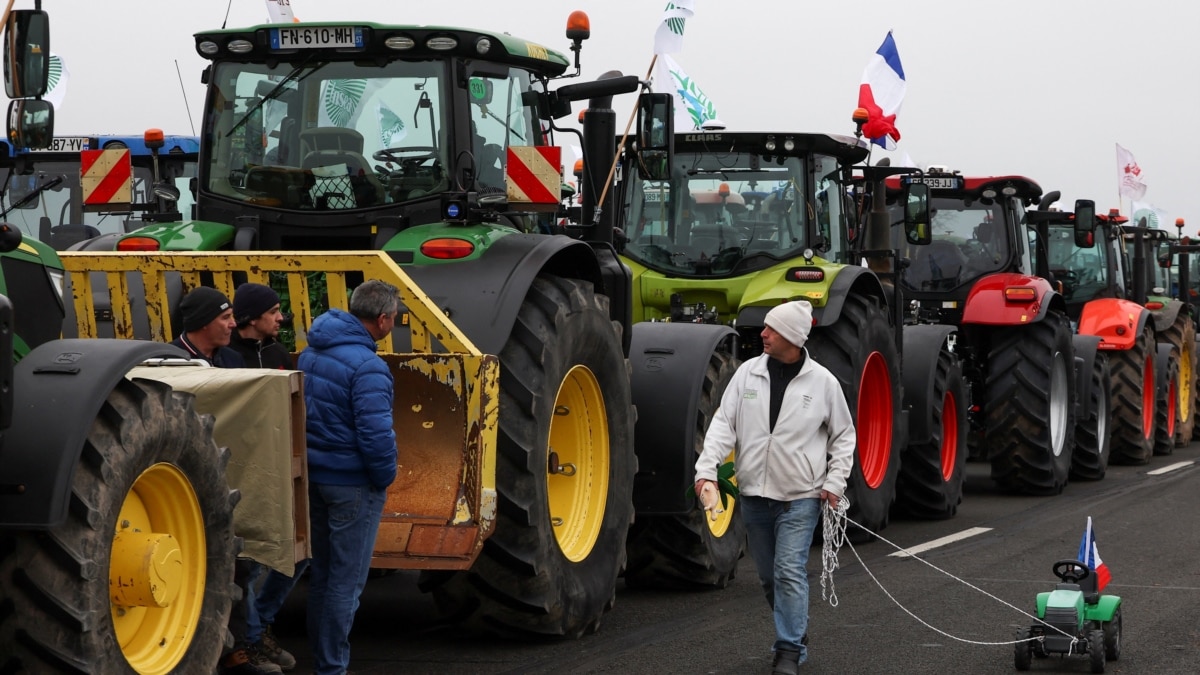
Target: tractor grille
1063,618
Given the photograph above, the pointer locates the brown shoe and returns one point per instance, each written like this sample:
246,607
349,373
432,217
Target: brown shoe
269,648
244,661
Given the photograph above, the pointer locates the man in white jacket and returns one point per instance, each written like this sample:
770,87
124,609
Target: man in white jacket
787,419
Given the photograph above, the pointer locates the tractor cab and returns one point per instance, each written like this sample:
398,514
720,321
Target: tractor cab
977,229
1084,263
740,203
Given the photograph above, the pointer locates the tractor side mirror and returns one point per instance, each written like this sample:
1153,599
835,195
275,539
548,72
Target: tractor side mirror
31,123
916,214
27,53
1085,223
656,136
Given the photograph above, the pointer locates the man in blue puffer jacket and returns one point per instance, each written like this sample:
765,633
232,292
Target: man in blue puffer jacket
351,461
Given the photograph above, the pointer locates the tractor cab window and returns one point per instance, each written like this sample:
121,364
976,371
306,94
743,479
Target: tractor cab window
322,135
971,238
53,203
1083,272
499,119
723,214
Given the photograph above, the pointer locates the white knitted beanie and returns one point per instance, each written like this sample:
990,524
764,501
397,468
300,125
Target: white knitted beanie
792,320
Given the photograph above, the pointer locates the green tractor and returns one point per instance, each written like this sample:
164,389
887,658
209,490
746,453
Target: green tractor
435,145
1074,618
116,519
739,222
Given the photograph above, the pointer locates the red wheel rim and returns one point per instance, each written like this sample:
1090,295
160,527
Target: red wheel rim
1172,395
874,420
1148,398
949,435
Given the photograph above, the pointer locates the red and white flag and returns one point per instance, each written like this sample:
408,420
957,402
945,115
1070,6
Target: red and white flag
880,94
1089,556
1129,175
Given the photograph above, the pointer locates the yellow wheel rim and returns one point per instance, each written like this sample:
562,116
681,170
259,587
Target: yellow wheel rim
720,526
577,464
1185,391
157,570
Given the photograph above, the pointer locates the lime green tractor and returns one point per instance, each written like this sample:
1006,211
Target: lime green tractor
740,222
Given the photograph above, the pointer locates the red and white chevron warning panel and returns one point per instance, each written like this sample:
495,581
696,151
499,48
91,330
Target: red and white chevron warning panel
534,174
106,176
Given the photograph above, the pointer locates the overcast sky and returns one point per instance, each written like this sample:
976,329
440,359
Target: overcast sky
1040,88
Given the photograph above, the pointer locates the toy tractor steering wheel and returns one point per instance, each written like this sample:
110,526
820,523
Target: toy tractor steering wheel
1071,571
412,156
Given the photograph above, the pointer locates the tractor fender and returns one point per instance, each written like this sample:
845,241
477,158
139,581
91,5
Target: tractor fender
669,362
1117,322
986,304
923,344
61,386
1103,610
482,296
1085,347
849,280
1165,318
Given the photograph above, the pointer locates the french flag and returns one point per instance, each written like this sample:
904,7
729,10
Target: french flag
1089,556
881,93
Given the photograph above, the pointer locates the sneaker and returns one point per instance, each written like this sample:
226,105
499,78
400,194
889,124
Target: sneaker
245,661
269,648
785,663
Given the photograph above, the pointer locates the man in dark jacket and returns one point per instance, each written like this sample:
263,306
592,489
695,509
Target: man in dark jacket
256,311
351,461
207,326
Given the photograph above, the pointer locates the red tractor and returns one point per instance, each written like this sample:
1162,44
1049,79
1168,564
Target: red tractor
1026,372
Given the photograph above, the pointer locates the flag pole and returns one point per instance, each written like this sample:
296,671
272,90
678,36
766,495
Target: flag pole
612,170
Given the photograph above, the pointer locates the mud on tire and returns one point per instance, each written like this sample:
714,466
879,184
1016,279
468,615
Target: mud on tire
1093,431
1133,394
1029,406
860,350
930,483
57,615
690,551
525,584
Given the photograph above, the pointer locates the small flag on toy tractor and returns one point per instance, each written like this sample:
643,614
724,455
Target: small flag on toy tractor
1089,556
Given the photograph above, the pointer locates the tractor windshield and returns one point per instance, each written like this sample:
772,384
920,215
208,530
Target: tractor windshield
331,135
970,239
1083,272
723,214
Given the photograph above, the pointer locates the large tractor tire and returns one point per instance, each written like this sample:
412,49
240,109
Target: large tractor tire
930,483
139,578
1093,430
1166,401
564,475
1133,401
1182,337
860,350
1029,406
691,551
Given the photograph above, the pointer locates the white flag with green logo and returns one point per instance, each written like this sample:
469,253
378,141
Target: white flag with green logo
341,101
1156,218
668,39
391,127
692,106
56,88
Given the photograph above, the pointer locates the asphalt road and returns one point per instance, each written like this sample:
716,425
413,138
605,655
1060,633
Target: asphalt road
1148,534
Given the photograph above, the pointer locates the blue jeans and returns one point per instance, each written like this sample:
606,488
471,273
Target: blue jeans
264,602
779,535
344,522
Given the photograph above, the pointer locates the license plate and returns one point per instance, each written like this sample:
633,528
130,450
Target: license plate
318,37
937,182
653,197
69,144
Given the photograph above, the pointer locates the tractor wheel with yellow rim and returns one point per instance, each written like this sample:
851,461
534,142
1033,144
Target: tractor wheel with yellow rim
691,551
564,474
138,579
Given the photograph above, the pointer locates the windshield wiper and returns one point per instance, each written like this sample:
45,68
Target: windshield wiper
275,91
53,182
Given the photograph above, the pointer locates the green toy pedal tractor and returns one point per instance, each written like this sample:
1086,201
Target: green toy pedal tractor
1077,618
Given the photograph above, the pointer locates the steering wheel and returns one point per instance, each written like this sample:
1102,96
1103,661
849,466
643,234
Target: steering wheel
412,156
1071,571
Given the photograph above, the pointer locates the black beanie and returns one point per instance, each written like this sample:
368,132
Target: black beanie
250,301
200,306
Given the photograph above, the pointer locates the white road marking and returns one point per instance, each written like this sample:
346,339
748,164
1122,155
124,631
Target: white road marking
948,539
1169,468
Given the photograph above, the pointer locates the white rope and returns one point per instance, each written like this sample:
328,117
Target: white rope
834,533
